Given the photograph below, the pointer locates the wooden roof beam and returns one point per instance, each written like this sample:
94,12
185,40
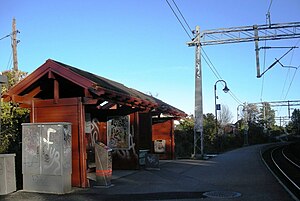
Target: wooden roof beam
27,97
98,91
34,92
90,101
107,106
122,99
51,75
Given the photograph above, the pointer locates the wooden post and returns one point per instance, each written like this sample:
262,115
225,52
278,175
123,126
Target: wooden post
14,43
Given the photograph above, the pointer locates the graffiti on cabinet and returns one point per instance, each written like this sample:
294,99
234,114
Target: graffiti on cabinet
67,164
50,153
1,167
31,141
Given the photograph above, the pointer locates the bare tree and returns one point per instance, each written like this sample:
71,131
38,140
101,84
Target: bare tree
225,116
250,112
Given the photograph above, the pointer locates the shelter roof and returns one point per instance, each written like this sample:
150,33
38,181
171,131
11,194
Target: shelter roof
75,82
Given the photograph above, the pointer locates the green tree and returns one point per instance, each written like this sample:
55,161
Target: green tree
267,116
186,124
210,133
184,137
11,115
295,122
209,127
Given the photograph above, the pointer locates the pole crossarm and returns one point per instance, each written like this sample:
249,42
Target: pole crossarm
279,103
288,104
249,33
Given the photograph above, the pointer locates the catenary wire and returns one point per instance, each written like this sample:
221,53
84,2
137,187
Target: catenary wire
5,36
218,76
207,60
265,52
179,20
293,75
9,63
212,65
291,83
182,16
286,78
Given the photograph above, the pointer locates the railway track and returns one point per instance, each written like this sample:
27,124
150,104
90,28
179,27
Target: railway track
284,164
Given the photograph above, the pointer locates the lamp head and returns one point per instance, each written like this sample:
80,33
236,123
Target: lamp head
226,89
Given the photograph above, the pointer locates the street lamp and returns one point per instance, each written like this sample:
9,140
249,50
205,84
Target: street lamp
217,107
237,112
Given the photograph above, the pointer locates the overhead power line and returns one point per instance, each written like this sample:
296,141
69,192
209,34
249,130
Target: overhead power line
5,36
179,18
291,82
182,16
286,78
206,58
211,65
9,63
216,73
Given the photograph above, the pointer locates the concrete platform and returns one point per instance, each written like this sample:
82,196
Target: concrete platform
236,175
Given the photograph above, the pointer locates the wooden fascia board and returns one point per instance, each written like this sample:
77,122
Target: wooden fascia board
27,81
51,68
70,75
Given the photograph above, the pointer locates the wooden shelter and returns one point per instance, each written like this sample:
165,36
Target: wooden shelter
95,106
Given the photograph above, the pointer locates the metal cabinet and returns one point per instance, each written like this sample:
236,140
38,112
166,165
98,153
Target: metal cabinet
7,173
47,157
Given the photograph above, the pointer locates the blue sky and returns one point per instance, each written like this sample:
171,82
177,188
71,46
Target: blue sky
141,44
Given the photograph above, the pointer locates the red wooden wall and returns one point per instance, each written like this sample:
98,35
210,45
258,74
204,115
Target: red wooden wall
66,110
164,131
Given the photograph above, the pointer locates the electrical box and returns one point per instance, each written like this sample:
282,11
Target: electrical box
47,157
7,174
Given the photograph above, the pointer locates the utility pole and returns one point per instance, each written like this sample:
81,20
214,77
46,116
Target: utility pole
231,35
198,128
14,43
